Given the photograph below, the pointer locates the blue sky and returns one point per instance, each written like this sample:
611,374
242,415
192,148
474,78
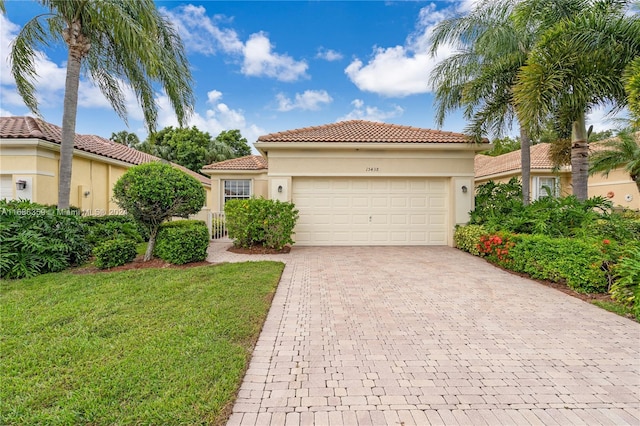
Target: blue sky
268,66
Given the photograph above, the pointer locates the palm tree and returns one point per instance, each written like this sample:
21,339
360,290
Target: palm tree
113,42
494,42
620,152
576,64
480,76
125,138
632,85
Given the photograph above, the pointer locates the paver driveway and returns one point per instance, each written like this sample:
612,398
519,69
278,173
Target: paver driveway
431,335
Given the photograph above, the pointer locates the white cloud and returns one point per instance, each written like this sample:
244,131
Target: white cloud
309,100
362,112
203,34
5,113
259,60
50,76
401,71
213,96
217,118
328,54
602,119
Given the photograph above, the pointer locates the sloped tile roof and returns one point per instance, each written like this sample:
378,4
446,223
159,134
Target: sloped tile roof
487,166
365,131
249,162
29,127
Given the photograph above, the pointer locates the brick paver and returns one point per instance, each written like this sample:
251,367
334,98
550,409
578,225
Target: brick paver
431,335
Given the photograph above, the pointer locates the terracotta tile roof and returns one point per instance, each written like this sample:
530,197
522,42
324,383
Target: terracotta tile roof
249,162
365,131
29,127
487,166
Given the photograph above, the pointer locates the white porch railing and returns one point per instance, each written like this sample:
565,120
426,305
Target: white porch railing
218,228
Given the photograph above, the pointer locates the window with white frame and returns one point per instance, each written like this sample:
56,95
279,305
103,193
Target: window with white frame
545,186
237,189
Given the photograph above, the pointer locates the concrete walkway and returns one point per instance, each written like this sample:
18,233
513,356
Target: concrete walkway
431,335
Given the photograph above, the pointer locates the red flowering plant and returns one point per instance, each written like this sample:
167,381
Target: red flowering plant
495,247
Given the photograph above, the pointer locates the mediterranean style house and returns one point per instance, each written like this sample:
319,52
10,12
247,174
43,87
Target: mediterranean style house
548,179
29,163
359,182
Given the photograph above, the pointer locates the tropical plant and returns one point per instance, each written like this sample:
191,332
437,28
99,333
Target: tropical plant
491,49
234,140
36,239
620,152
117,43
577,63
125,138
154,192
632,85
188,147
501,146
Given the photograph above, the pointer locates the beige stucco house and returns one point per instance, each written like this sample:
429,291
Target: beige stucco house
617,187
29,163
359,182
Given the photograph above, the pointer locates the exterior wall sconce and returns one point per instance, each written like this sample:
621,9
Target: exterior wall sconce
280,188
464,189
21,185
86,193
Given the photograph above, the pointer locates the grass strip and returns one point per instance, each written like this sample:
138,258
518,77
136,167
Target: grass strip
149,346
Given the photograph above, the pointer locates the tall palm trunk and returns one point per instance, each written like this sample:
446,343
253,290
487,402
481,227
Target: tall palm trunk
525,160
78,48
579,158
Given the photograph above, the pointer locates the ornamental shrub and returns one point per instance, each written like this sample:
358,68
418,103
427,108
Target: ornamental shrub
106,228
36,239
626,288
467,238
182,241
496,247
580,263
257,221
116,252
155,192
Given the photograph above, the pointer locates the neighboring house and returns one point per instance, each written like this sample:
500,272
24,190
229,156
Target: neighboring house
29,164
545,178
359,182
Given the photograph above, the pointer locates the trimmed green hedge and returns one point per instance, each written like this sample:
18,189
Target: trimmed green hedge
467,238
580,263
106,228
257,221
114,253
182,241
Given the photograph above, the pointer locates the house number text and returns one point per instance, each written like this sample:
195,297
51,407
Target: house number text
372,169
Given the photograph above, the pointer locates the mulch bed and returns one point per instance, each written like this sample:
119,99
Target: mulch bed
138,263
259,250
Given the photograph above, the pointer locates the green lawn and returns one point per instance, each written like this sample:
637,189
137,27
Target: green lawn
152,346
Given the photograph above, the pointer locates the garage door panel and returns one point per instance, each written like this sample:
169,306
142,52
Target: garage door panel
370,211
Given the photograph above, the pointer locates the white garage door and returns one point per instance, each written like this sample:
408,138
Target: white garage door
6,187
371,211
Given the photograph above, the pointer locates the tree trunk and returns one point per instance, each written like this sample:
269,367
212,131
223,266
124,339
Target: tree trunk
153,232
579,158
78,48
69,113
525,160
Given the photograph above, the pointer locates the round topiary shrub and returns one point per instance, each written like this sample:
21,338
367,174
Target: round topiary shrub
182,241
112,253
